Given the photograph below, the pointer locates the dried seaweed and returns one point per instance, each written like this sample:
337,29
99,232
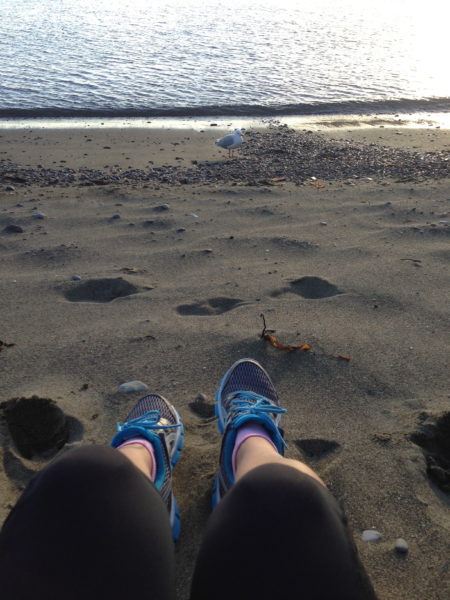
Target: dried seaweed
267,335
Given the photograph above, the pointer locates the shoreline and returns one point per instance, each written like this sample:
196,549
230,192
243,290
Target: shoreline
315,122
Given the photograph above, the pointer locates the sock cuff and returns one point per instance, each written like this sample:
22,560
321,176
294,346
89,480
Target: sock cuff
245,432
149,446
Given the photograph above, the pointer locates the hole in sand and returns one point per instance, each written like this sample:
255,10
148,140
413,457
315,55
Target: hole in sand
434,438
212,306
315,449
313,287
101,290
35,424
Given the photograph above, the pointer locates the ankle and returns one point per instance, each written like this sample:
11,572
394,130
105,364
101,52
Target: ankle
251,440
141,453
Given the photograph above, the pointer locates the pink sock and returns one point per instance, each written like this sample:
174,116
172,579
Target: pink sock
150,449
245,432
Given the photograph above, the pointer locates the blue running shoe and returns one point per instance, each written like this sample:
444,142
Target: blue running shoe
156,420
246,394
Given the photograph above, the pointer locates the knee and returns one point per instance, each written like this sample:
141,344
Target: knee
287,488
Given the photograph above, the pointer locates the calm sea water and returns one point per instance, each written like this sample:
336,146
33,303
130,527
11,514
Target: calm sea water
196,57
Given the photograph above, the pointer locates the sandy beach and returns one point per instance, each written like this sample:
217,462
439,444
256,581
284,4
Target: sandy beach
173,274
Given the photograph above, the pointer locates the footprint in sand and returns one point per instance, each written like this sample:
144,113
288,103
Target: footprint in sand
202,409
309,287
15,470
101,290
37,425
433,436
158,223
212,306
317,449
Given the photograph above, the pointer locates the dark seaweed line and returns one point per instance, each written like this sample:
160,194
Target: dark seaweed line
239,110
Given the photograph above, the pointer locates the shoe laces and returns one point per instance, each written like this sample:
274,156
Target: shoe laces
246,402
250,402
148,420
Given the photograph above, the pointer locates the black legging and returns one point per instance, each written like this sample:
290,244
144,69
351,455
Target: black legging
92,526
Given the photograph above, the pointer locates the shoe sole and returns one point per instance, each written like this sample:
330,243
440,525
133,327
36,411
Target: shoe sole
175,519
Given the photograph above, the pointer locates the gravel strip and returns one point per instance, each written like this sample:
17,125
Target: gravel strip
280,152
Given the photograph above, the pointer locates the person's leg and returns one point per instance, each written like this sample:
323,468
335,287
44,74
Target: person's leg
256,451
276,531
93,525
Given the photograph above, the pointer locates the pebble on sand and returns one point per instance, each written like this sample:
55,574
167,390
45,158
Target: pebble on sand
132,386
401,546
38,215
371,535
76,278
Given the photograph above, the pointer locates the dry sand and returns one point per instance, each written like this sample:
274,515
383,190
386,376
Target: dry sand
200,295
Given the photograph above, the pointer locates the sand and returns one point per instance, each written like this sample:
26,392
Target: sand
199,296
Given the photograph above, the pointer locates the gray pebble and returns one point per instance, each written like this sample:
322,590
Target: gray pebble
132,386
323,223
371,535
116,216
39,215
201,397
161,207
401,546
10,188
76,278
181,229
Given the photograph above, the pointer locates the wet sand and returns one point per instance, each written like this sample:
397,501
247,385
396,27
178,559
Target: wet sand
203,261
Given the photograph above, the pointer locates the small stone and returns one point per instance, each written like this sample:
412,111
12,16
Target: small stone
201,398
371,535
10,188
76,278
207,251
181,229
444,222
38,215
132,386
192,215
116,216
161,207
401,546
366,179
323,223
13,229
